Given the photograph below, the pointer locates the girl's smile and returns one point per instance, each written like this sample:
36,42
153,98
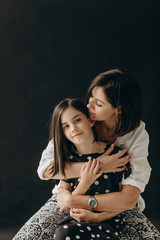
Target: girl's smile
76,127
77,135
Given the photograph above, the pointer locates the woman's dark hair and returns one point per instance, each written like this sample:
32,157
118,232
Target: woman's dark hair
121,89
62,146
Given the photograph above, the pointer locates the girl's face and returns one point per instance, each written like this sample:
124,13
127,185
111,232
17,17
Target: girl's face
100,108
76,126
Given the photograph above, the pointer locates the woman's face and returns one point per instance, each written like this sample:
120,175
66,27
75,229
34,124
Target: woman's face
76,126
100,108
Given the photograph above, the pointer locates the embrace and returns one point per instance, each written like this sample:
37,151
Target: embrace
97,155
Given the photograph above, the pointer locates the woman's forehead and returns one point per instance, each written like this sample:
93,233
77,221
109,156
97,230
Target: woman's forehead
99,93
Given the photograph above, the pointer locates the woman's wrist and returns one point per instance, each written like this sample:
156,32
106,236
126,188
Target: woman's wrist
78,201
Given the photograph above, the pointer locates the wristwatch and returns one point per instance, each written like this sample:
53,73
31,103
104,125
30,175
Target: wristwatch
92,202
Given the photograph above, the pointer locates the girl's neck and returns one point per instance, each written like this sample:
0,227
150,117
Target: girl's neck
92,147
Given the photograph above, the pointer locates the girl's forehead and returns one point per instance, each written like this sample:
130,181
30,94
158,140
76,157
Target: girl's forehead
71,110
70,113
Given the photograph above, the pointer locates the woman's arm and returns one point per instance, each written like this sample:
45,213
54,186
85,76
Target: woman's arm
136,143
112,202
108,163
47,158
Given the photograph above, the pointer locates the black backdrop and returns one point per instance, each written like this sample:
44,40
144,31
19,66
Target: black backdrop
51,49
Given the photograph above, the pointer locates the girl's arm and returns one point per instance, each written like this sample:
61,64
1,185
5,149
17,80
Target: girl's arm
89,173
83,215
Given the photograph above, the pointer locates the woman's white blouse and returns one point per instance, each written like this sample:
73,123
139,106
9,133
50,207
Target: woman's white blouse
136,143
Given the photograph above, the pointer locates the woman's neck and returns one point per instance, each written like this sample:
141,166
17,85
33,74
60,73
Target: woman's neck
106,131
110,127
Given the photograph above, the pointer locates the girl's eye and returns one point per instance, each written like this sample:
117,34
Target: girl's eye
65,127
78,120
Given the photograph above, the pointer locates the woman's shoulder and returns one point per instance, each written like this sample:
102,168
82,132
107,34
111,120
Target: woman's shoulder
136,133
138,136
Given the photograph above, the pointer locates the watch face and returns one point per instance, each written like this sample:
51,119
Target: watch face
93,203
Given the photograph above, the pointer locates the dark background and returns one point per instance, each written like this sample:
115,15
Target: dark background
51,49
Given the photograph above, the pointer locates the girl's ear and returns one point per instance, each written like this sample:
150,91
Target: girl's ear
91,122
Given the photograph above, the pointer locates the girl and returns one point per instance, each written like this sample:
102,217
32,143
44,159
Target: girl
71,131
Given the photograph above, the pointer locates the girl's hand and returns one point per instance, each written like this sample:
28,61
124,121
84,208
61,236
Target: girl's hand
90,172
115,162
82,215
48,173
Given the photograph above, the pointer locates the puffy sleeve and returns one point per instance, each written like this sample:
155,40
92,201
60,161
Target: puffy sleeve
46,159
137,143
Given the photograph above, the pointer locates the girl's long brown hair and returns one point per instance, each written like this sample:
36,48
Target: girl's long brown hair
62,146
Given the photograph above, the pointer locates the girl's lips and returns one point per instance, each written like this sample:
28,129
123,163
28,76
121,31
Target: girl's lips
76,135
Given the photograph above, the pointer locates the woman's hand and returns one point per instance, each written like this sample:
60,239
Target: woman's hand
82,215
63,199
48,173
115,162
90,172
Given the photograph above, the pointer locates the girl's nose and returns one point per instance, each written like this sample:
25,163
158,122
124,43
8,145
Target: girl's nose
73,128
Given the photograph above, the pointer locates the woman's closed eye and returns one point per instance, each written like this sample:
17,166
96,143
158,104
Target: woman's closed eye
98,103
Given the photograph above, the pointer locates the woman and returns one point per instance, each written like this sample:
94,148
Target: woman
125,129
109,91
